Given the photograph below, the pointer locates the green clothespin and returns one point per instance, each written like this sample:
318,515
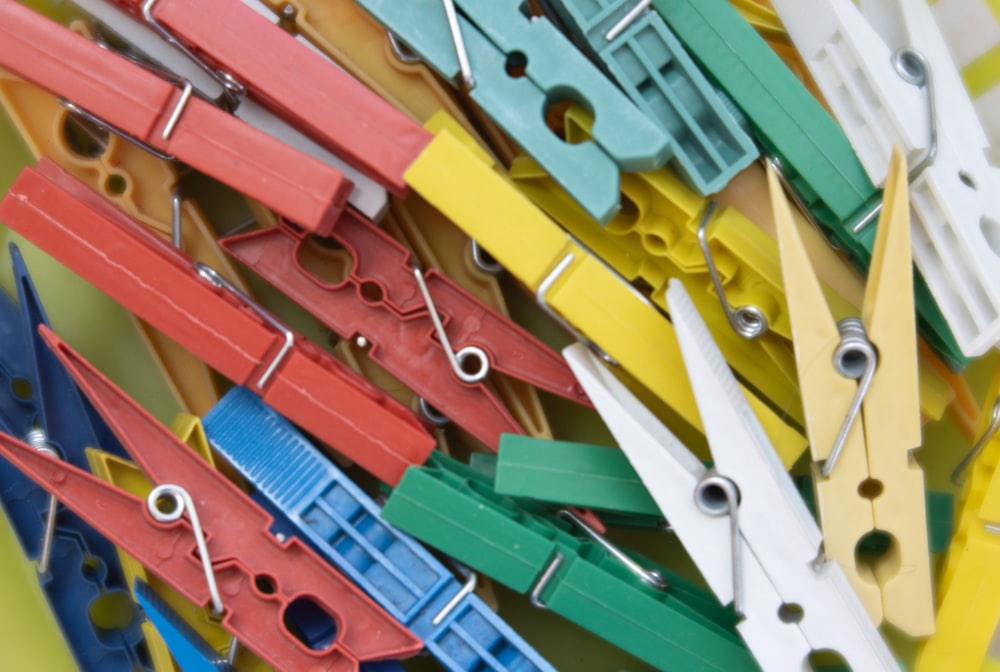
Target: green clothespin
574,474
619,596
804,142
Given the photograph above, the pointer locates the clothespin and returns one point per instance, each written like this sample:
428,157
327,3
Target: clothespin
708,145
577,474
147,188
221,554
342,522
649,612
889,79
666,230
126,476
806,146
859,387
77,568
499,52
377,59
301,87
193,305
785,118
575,288
742,522
123,96
420,325
366,196
968,594
437,243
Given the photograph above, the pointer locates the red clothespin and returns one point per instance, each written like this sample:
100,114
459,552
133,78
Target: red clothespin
292,81
168,120
403,313
192,305
222,552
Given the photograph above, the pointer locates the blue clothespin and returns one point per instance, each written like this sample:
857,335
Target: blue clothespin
342,523
79,569
517,67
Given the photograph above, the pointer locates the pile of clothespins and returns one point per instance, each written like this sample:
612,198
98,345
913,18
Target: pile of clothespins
504,335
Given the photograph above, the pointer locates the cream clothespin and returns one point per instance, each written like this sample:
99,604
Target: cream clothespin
862,431
743,522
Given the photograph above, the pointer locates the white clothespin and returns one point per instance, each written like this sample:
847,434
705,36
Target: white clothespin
369,197
743,522
955,209
861,80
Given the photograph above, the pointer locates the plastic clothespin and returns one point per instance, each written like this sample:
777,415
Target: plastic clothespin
859,387
367,196
221,553
302,87
575,288
148,189
968,594
195,307
902,88
708,145
77,568
437,243
188,648
500,52
785,118
126,476
420,325
342,523
377,59
577,474
742,522
123,96
666,230
649,612
814,156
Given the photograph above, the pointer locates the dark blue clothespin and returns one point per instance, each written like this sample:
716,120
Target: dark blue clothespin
79,570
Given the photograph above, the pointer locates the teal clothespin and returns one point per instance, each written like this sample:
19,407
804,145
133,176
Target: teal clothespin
646,59
519,67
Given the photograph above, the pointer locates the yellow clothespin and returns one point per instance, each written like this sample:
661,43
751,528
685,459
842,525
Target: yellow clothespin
666,230
656,237
375,57
573,286
940,388
142,185
128,477
968,599
859,389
